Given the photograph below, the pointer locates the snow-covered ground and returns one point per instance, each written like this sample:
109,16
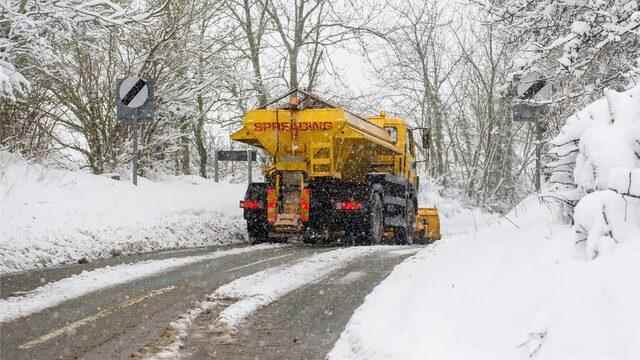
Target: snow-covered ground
50,217
516,290
455,218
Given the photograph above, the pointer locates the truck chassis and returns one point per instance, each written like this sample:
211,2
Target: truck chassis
383,209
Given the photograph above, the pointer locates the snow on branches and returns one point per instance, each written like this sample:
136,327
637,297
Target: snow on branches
28,27
582,45
11,81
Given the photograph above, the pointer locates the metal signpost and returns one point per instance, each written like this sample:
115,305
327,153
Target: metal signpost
135,104
235,155
532,85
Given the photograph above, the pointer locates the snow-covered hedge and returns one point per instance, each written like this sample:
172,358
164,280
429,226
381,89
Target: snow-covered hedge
597,169
51,216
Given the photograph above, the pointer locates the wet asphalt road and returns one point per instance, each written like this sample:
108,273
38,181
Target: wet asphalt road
118,322
302,325
17,283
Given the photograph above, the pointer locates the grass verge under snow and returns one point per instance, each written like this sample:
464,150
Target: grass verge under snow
52,217
504,292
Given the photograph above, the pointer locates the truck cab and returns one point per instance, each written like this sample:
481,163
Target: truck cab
404,163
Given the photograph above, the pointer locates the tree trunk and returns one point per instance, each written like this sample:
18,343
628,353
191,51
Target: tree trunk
293,69
200,140
184,148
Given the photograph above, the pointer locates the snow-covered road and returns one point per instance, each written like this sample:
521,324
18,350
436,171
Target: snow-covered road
55,293
126,309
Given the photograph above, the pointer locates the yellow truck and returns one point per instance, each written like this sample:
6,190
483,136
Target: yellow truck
333,175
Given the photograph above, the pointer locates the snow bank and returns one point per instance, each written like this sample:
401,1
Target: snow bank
455,217
511,291
605,218
51,216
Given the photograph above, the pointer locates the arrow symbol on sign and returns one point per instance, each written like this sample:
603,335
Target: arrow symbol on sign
131,94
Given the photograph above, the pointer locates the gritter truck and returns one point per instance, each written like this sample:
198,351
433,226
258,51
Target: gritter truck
333,176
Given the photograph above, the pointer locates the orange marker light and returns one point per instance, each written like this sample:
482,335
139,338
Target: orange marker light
272,203
305,200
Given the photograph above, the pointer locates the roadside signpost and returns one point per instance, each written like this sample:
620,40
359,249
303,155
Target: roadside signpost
235,155
135,104
532,86
525,112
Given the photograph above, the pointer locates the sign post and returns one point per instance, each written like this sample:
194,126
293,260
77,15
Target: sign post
215,166
134,104
532,85
134,166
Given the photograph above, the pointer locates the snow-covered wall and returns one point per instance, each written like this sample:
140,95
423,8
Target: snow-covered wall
50,216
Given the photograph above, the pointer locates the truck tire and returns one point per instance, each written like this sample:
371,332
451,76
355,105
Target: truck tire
407,235
257,234
374,224
314,235
420,239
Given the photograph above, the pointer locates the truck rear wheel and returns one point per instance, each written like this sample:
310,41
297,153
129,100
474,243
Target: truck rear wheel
257,233
374,225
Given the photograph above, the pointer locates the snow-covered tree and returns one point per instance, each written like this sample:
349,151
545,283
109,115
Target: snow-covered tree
30,28
580,46
32,33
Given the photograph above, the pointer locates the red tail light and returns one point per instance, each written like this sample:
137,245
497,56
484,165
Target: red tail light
305,200
349,205
251,204
272,203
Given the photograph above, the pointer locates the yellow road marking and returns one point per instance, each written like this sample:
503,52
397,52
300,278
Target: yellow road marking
101,314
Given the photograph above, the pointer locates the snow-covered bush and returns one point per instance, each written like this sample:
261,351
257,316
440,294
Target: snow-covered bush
597,170
564,150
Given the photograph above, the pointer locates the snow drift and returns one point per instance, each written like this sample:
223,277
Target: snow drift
455,217
51,216
515,290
